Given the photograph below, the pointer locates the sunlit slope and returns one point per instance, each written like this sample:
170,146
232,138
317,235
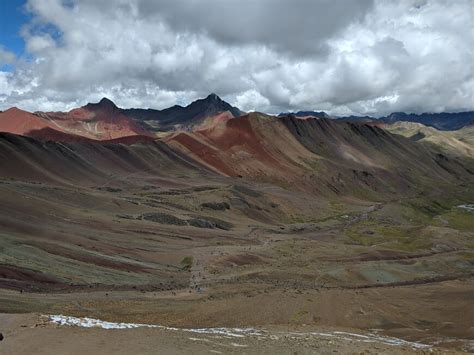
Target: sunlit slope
457,143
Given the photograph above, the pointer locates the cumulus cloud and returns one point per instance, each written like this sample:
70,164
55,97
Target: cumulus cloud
298,27
6,57
345,57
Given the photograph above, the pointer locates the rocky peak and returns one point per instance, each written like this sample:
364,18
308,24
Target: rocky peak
103,104
213,104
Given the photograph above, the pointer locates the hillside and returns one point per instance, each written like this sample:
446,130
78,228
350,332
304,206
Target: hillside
98,121
456,143
443,121
322,155
102,121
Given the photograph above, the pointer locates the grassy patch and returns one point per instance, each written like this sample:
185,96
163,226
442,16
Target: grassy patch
187,263
405,239
460,220
361,233
468,255
297,316
369,233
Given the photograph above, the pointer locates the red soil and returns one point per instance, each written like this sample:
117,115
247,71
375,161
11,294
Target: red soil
96,122
206,153
21,122
224,142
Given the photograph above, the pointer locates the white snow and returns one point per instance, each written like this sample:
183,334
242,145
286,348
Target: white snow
97,323
467,206
234,332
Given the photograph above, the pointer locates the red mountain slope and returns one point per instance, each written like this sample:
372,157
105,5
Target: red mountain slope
100,122
21,122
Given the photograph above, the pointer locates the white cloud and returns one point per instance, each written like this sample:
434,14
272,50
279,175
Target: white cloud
260,55
6,57
252,100
37,44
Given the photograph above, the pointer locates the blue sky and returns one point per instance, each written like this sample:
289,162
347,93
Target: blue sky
12,17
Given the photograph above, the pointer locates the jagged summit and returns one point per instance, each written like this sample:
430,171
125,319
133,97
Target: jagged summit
212,105
190,115
213,98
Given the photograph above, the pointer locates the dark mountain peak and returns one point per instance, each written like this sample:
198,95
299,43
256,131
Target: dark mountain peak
213,97
211,100
211,105
187,116
104,103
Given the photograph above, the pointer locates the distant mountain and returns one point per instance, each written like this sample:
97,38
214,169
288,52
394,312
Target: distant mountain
179,116
99,121
105,121
320,114
104,104
442,121
452,143
102,121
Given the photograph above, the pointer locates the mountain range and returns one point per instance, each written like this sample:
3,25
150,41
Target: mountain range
281,148
444,121
104,121
206,216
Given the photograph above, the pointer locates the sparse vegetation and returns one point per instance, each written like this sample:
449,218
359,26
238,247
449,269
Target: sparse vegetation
187,263
218,206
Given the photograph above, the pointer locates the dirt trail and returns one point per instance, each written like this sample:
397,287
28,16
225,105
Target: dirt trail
198,275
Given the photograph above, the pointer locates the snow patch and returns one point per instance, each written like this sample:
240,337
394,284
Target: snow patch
97,323
234,332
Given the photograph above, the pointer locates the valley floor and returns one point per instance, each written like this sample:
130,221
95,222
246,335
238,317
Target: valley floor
209,253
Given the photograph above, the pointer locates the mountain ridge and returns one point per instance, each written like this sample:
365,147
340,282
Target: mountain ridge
177,115
444,121
105,121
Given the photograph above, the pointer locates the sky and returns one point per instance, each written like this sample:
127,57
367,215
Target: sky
361,57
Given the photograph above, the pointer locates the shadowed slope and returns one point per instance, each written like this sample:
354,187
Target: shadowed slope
87,162
318,154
